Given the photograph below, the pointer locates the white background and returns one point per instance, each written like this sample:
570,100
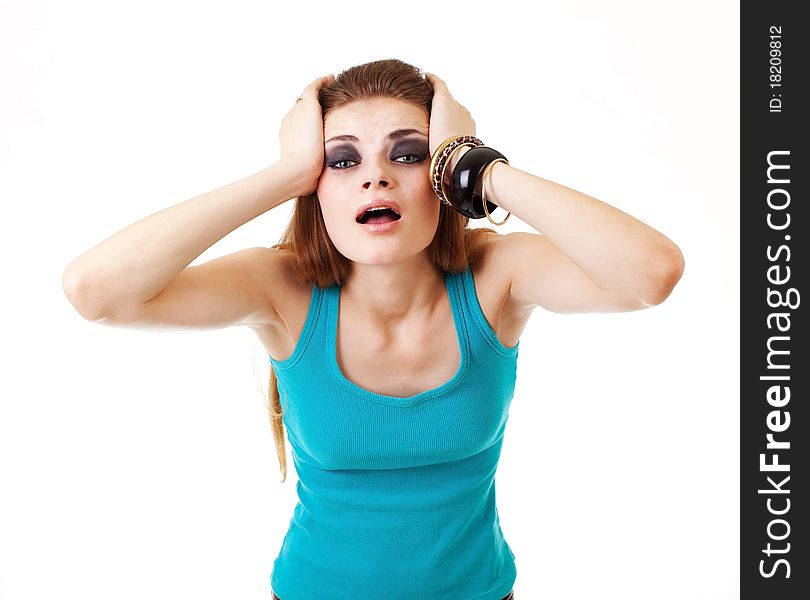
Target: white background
136,464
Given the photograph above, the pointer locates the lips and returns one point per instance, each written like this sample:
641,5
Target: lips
377,203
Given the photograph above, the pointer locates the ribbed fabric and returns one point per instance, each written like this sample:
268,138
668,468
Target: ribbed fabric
396,495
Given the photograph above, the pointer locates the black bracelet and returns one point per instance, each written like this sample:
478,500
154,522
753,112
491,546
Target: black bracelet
465,175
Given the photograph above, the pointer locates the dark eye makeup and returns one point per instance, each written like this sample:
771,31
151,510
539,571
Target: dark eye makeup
415,152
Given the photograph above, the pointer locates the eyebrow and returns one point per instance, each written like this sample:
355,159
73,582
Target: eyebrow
394,135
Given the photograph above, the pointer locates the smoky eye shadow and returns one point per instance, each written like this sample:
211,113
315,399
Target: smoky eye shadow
411,148
348,152
341,153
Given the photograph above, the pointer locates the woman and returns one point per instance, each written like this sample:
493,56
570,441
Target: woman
392,328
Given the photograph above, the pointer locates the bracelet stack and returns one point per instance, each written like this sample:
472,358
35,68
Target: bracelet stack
475,164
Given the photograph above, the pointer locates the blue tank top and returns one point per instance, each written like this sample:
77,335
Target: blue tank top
396,495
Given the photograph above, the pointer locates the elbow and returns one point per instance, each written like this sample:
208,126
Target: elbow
79,294
667,269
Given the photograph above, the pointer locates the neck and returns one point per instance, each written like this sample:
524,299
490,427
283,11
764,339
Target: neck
392,294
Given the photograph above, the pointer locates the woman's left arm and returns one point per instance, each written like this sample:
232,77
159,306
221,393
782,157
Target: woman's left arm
627,259
591,257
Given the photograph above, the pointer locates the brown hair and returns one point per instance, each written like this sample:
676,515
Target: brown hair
316,259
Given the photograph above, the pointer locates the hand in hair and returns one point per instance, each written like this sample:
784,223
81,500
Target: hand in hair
301,137
447,116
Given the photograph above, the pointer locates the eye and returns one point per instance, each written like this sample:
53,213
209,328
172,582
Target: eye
342,160
412,158
417,158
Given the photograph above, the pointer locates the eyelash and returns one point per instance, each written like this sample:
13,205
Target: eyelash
419,158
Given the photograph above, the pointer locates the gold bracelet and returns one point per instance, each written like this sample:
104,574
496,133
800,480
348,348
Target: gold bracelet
434,159
484,180
446,198
439,159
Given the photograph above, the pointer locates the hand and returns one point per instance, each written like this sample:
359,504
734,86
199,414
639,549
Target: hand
301,137
447,117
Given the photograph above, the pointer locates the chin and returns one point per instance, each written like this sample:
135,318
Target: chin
368,254
386,249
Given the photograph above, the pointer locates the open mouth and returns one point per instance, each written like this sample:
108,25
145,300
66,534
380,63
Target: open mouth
380,214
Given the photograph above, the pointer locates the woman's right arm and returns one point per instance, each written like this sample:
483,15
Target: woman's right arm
140,276
114,282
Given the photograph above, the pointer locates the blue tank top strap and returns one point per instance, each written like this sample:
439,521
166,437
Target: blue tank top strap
309,328
474,313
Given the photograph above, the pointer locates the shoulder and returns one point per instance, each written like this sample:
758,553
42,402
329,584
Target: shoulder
495,260
291,295
273,271
491,265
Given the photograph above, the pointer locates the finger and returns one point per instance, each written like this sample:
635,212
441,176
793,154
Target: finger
320,82
313,88
436,82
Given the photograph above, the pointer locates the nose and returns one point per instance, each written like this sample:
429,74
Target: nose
382,183
376,173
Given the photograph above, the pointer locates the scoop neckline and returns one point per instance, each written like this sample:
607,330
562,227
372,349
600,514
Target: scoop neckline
333,312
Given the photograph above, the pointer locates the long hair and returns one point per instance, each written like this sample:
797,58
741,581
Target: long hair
315,258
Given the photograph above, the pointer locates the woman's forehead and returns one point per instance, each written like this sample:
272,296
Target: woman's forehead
375,117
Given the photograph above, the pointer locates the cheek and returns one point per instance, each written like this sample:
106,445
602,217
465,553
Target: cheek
429,203
332,216
328,196
423,189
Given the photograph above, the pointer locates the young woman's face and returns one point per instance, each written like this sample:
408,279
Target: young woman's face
387,160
